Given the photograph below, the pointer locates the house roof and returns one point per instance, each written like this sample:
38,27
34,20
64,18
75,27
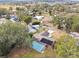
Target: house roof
31,30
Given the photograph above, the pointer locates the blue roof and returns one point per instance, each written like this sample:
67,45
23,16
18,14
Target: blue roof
40,47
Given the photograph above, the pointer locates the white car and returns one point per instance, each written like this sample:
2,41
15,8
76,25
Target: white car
39,17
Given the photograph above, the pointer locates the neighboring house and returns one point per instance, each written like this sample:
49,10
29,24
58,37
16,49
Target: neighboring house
30,29
35,25
33,28
13,18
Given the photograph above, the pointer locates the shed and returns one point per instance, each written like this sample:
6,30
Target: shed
38,46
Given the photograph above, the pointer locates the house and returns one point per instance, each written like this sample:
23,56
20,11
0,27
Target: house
13,18
36,27
31,29
38,46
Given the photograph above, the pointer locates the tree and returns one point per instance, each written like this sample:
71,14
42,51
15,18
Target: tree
58,21
63,23
66,47
40,12
13,35
34,11
20,9
58,7
26,19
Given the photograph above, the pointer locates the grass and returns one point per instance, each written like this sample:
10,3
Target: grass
75,20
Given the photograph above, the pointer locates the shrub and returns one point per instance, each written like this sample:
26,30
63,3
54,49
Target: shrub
66,47
36,23
13,35
27,19
59,7
19,9
64,23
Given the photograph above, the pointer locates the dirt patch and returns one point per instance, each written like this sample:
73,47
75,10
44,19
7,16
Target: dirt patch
17,52
57,34
26,53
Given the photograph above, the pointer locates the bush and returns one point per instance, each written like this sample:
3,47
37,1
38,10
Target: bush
59,7
63,23
13,35
66,47
36,23
26,19
19,9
